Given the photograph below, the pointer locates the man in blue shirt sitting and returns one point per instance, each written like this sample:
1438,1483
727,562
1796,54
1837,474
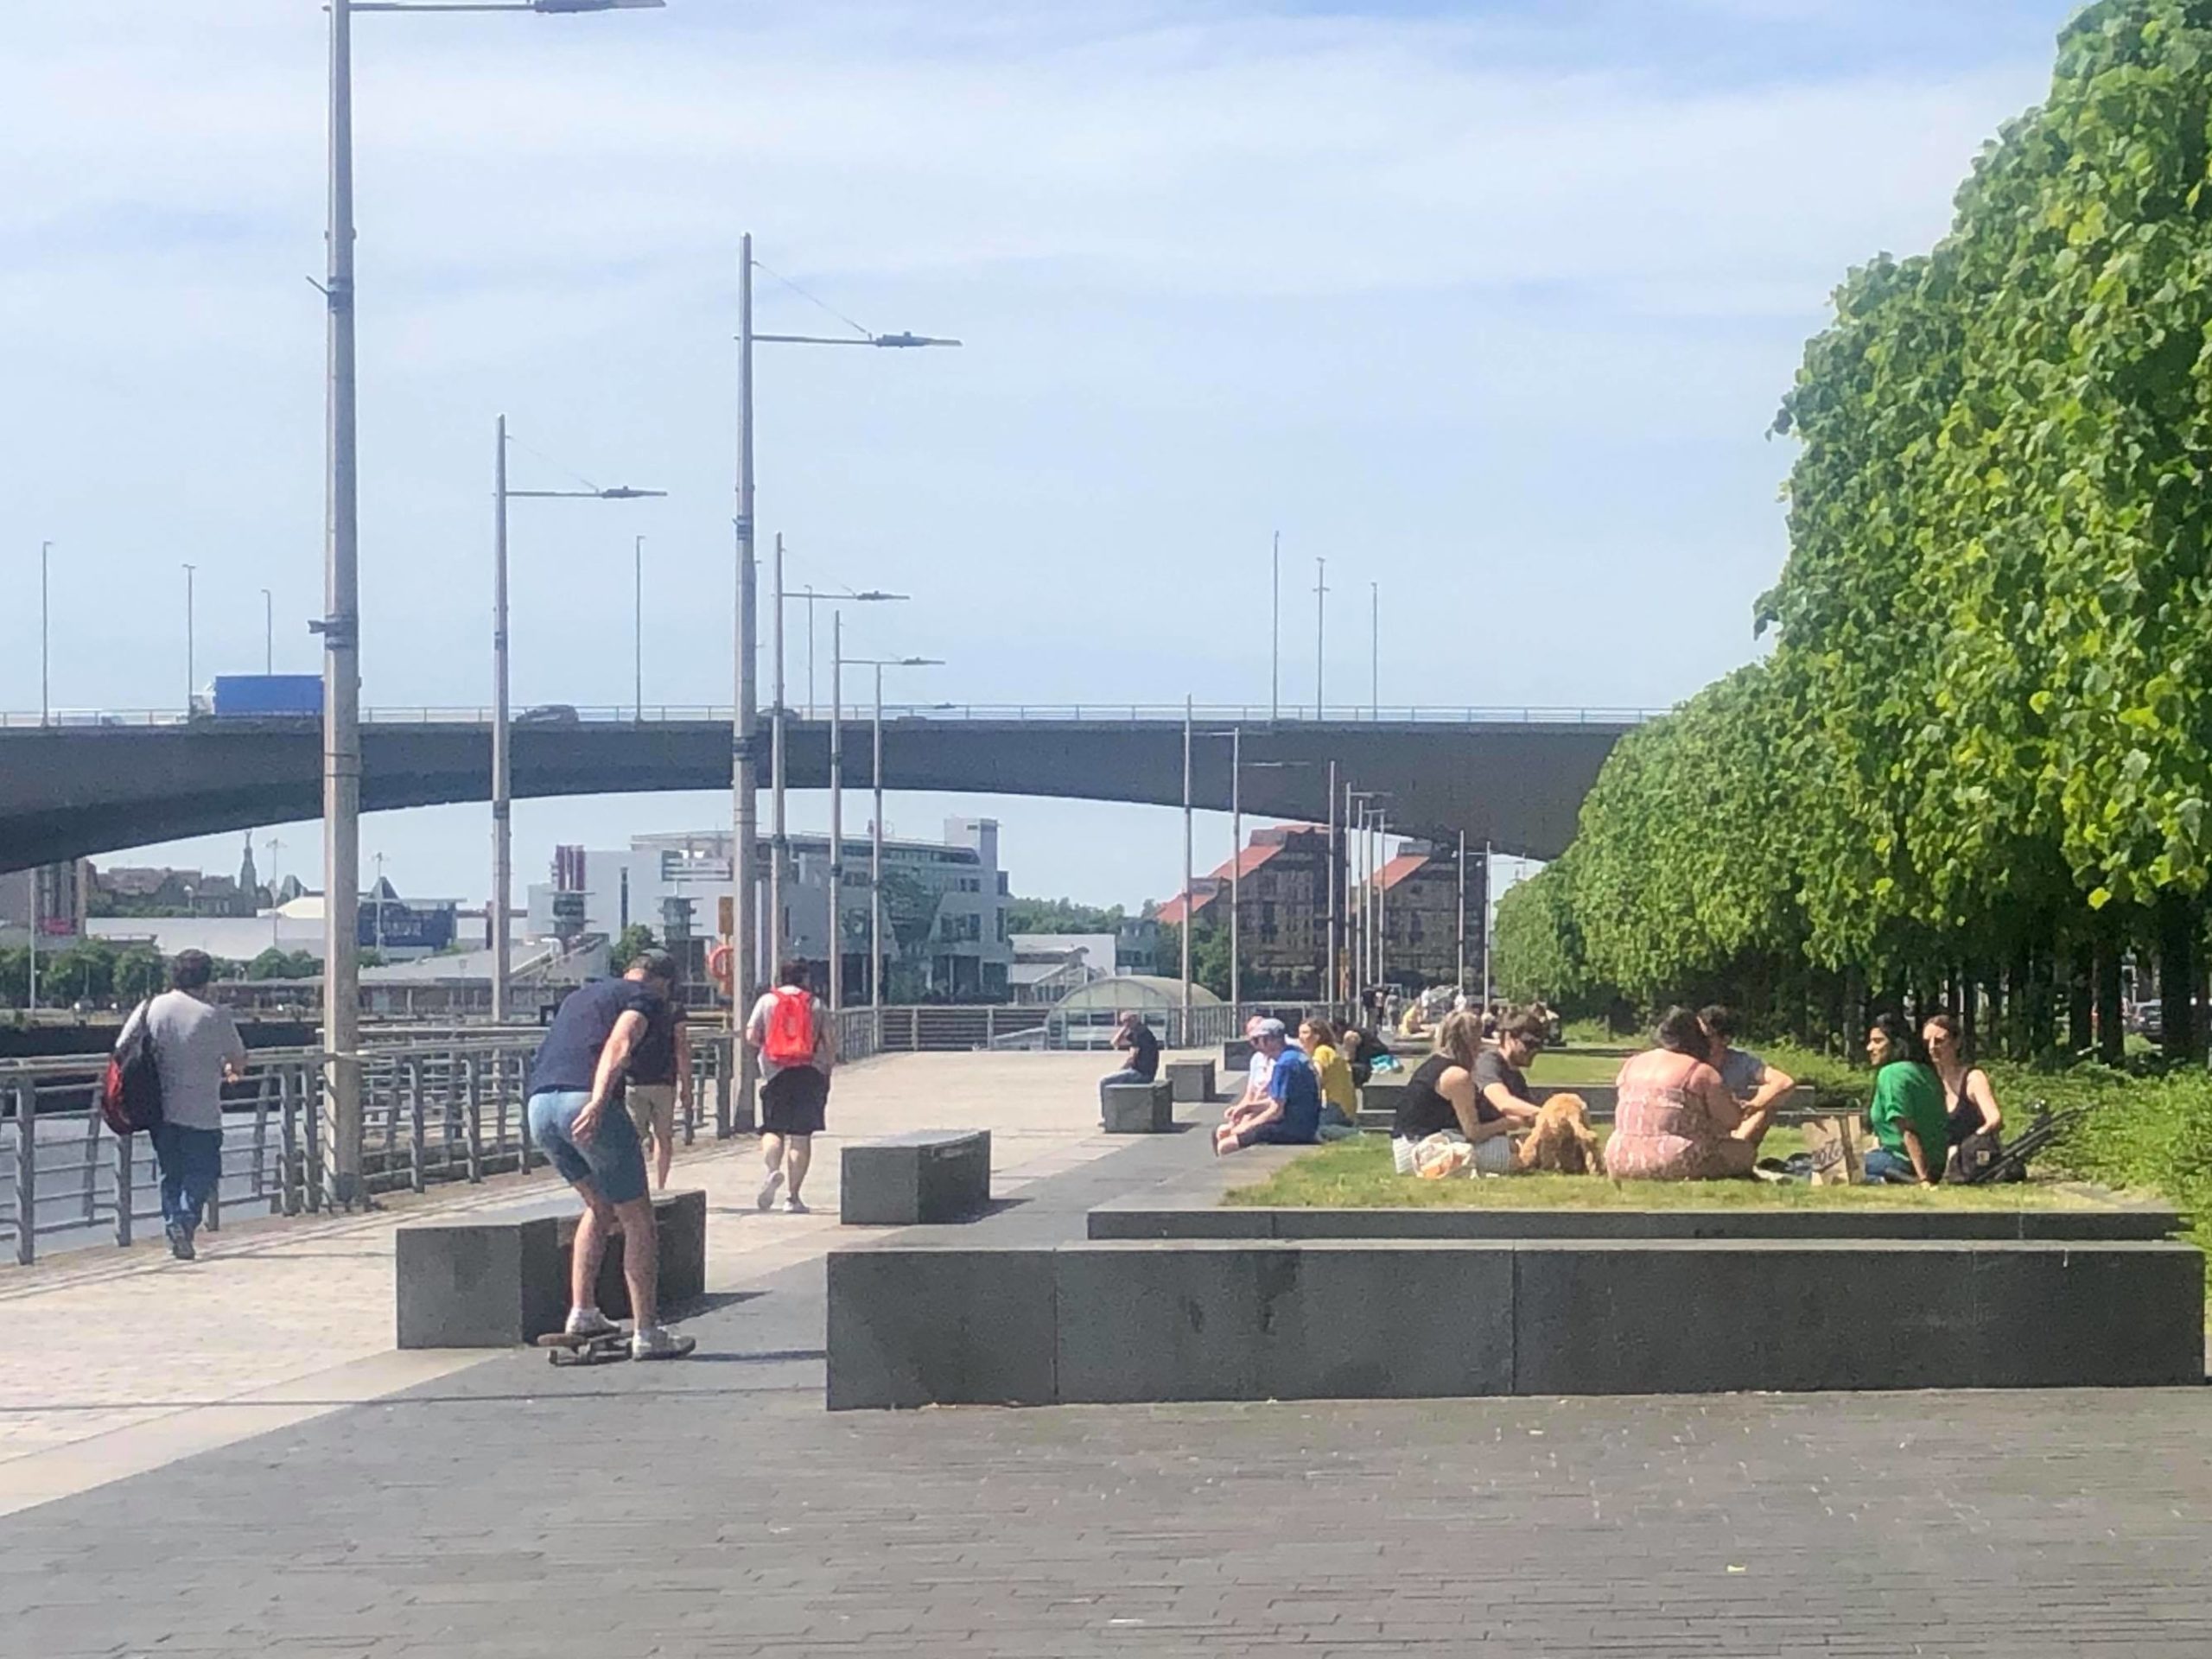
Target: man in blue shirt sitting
1290,1113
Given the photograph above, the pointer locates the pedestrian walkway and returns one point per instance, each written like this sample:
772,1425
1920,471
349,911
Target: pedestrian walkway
712,1507
119,1360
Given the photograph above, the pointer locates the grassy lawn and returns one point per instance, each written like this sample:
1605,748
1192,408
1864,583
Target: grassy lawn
1358,1175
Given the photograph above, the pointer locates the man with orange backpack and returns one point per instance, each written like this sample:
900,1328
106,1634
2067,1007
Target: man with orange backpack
791,1029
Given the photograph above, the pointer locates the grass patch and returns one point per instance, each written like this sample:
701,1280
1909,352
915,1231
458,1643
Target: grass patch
1358,1175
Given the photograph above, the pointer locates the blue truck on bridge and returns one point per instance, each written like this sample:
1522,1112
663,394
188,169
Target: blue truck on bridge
265,696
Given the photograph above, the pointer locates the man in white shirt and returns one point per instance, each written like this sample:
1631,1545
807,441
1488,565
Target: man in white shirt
197,1049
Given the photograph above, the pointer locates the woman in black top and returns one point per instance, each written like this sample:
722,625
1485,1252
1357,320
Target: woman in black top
1968,1099
1442,1096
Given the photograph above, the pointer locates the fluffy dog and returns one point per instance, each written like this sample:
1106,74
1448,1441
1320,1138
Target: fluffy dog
1561,1143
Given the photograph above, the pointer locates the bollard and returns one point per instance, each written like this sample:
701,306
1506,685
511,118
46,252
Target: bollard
123,1199
472,1104
26,1175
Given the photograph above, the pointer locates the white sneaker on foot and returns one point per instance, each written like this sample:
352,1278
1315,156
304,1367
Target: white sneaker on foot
769,1188
656,1342
795,1205
589,1322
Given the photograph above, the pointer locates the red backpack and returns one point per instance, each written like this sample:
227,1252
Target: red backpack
130,1094
790,1037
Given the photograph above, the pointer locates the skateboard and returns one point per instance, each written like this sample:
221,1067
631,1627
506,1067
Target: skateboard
561,1349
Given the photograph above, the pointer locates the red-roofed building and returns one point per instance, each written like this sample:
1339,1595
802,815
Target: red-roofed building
1282,880
1421,915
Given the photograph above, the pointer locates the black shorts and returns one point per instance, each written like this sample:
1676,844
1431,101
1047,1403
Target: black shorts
792,1101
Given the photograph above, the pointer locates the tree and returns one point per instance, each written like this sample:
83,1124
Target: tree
139,973
1060,916
633,941
274,964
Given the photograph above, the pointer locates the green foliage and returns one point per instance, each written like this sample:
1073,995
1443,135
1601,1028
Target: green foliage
1536,944
1060,916
1209,955
1984,737
631,943
274,964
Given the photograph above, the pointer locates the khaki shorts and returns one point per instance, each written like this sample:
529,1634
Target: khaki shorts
653,1109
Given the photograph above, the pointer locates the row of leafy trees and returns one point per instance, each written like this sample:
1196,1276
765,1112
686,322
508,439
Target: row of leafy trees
101,972
1981,751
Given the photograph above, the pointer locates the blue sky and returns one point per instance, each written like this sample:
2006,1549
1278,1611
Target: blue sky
1489,304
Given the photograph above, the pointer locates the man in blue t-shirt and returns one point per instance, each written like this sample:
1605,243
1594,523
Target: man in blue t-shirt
578,1118
1290,1113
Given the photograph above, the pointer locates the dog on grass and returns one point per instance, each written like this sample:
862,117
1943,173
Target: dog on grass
1561,1143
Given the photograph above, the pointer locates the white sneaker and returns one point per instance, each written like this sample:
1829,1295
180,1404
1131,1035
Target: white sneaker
655,1342
589,1322
769,1188
795,1205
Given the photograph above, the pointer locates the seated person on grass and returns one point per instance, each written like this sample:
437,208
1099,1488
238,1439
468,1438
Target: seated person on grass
1676,1120
1907,1116
1464,1089
1340,1099
1290,1115
1760,1089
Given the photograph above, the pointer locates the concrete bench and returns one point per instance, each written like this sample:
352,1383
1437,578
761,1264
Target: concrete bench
1138,1107
1192,1081
1236,1056
913,1179
1225,1320
495,1280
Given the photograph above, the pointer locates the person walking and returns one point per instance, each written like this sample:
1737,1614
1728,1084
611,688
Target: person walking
1135,1039
660,1079
579,1118
197,1049
791,1029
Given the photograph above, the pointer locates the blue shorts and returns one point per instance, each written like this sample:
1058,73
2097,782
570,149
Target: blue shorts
613,1163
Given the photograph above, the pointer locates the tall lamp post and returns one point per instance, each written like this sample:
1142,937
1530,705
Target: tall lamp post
1189,898
268,631
779,842
743,781
875,831
1320,631
191,675
340,625
45,615
497,909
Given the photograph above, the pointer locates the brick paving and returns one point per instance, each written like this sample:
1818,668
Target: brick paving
712,1507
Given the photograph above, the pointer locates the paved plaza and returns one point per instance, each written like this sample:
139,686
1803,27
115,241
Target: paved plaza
492,1505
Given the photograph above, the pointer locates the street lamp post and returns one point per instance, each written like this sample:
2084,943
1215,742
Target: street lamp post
1320,628
191,677
1459,971
638,628
268,631
1329,990
875,832
1275,631
743,784
779,845
1236,865
1189,898
45,682
1486,917
340,625
1374,650
497,909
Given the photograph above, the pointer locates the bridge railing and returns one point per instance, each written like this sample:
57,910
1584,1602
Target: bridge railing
433,1111
564,715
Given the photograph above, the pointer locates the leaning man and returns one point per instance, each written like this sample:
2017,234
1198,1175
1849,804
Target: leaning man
577,1115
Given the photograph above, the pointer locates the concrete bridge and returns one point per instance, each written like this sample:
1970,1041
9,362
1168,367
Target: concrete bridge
90,785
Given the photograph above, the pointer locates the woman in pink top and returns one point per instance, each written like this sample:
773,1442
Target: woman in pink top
1676,1121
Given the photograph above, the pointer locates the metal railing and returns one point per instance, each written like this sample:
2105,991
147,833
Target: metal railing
1251,714
434,1111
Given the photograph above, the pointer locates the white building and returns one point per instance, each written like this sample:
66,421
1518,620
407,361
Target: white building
943,905
1047,966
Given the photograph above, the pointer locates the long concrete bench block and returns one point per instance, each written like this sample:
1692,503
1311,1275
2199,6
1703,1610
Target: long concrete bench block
495,1280
926,1177
1199,1213
1192,1081
1137,1108
919,1327
1226,1319
1250,1322
1236,1056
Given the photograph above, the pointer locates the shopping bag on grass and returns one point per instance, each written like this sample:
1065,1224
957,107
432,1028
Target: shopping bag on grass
1832,1145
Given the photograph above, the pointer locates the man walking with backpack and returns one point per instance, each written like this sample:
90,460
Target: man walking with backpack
791,1029
196,1049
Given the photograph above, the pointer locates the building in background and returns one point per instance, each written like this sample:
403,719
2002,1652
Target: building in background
945,936
1047,966
1281,889
1421,900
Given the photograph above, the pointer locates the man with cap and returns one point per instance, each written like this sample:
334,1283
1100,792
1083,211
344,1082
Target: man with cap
578,1117
1289,1114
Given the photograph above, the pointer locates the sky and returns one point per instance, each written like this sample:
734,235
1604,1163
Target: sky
1489,304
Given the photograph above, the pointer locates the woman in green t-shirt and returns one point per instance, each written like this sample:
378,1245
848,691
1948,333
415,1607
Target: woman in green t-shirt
1908,1113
